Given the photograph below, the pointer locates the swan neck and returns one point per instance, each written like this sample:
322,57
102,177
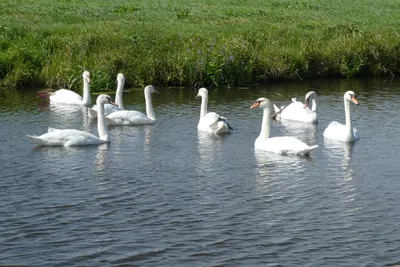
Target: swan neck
101,123
314,105
203,108
149,105
266,124
86,93
118,96
349,127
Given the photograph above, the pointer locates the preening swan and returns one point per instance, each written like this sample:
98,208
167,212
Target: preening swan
133,117
108,109
340,132
211,121
297,111
64,96
72,137
282,145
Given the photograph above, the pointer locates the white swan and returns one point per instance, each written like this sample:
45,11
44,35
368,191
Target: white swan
282,145
297,111
133,117
108,109
210,122
72,137
338,131
64,96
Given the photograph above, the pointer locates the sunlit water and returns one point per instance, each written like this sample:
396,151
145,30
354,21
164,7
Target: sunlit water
166,195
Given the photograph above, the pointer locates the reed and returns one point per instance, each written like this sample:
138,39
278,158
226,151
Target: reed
212,43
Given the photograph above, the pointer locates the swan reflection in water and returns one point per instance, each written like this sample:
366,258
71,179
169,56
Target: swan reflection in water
65,116
337,151
306,132
275,169
340,151
208,146
134,141
147,146
121,134
101,156
147,134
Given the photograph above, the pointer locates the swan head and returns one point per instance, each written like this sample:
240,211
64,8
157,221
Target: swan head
309,96
150,89
120,78
351,97
104,99
86,76
263,103
202,92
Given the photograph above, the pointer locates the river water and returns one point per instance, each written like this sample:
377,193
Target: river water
166,195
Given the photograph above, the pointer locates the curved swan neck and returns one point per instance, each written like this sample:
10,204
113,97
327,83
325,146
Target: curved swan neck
86,93
149,105
118,96
266,124
101,123
203,108
349,127
314,105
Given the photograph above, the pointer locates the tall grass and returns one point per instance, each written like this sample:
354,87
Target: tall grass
176,43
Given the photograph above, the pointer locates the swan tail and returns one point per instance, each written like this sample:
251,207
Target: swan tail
44,94
308,150
278,111
35,138
229,126
92,113
223,119
276,108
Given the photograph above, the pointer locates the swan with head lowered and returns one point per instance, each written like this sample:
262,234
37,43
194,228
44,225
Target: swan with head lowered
298,111
283,144
340,132
133,117
108,108
72,137
210,121
64,96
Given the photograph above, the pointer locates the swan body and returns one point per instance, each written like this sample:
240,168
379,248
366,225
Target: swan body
344,132
210,122
133,117
64,96
108,108
298,111
282,145
72,137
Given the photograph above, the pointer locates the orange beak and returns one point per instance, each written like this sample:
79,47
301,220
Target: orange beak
255,105
354,100
112,103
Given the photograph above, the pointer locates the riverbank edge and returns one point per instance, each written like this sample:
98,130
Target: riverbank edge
50,62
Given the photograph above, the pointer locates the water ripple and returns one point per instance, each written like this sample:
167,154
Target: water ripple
168,195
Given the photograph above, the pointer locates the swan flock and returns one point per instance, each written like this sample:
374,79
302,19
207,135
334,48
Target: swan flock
109,113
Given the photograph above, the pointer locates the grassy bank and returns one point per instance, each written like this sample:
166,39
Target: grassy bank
46,42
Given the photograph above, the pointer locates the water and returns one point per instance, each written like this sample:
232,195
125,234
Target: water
166,195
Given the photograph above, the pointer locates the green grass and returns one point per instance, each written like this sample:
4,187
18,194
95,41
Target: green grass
211,43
